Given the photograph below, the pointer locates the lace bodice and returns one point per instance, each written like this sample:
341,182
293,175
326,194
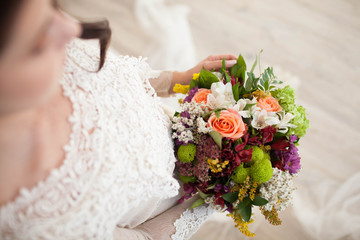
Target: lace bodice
120,155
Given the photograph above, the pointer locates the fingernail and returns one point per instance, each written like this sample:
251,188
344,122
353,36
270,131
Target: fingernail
230,63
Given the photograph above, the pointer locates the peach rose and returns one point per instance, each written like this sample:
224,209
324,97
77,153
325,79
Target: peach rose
201,95
270,104
229,124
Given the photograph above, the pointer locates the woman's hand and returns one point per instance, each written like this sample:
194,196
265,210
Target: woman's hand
209,63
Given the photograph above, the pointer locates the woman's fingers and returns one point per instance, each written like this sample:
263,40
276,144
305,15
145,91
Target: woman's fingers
217,64
221,57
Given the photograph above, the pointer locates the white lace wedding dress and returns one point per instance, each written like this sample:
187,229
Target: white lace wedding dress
118,170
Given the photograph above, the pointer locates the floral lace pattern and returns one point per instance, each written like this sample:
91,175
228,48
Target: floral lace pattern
190,221
117,140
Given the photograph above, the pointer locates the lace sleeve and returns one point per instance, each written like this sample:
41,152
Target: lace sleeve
190,222
161,82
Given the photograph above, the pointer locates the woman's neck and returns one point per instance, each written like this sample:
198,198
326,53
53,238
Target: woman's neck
31,144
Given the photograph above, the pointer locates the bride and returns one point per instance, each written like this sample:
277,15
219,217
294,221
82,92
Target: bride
84,154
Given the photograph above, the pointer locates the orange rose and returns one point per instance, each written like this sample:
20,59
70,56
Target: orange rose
229,124
201,95
270,104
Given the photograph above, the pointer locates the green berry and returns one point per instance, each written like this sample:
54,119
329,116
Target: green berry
186,153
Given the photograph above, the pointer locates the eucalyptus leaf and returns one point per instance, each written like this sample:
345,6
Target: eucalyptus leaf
230,197
259,201
197,203
217,138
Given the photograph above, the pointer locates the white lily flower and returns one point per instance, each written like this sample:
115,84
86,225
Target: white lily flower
221,96
241,104
284,124
262,119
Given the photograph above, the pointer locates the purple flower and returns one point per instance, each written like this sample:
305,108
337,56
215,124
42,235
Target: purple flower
293,138
189,190
185,114
288,159
191,94
291,159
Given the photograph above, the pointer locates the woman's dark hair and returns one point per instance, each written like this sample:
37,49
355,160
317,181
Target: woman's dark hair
95,30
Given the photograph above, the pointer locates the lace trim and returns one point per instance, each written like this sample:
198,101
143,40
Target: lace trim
190,222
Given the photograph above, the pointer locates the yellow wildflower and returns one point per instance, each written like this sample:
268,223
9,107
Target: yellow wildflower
184,89
261,94
196,76
216,166
272,216
252,191
241,224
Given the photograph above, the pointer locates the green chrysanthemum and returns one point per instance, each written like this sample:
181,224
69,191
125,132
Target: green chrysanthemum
257,154
261,171
186,153
240,174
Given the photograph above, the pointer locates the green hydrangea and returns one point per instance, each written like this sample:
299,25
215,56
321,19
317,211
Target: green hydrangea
186,153
300,121
261,171
286,97
240,174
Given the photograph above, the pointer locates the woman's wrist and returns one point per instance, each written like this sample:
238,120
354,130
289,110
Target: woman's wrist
183,78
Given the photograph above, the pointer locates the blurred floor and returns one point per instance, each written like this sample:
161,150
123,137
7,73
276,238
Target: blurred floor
317,41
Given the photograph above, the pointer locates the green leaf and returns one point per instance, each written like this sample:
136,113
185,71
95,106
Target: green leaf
249,82
193,84
259,201
254,65
235,90
239,69
246,212
217,113
187,179
207,115
217,138
197,203
230,197
207,78
244,203
202,195
249,106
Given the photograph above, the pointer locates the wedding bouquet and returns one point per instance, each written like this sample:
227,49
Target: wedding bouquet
236,138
